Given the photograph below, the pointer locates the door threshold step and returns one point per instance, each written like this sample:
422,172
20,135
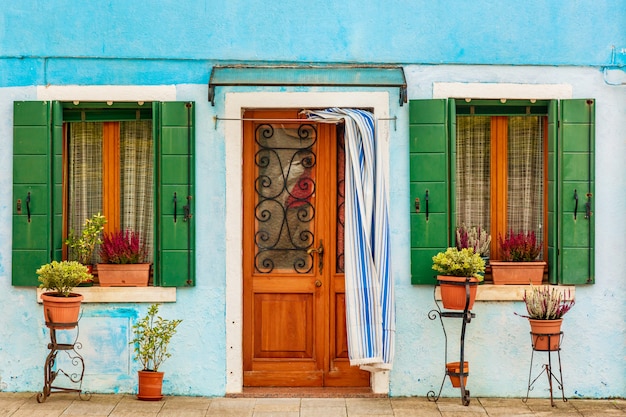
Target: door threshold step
306,392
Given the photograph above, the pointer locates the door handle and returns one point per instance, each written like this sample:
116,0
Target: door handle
320,251
318,283
175,205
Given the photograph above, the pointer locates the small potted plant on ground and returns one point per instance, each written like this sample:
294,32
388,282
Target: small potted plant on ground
123,260
152,337
61,307
519,264
546,307
456,267
82,245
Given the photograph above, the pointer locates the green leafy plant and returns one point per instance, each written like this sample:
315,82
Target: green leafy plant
84,243
520,246
122,247
473,237
62,277
152,337
459,263
546,303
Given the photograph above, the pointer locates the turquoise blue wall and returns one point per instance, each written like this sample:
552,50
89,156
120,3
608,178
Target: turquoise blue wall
532,32
178,42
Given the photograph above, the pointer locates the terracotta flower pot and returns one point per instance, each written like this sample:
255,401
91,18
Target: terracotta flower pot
454,372
61,312
150,385
545,334
453,294
517,273
123,275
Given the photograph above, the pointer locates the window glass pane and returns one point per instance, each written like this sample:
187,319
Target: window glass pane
341,201
525,174
136,177
285,185
473,142
85,174
86,182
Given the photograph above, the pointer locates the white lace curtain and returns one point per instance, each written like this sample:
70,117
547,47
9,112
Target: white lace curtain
136,176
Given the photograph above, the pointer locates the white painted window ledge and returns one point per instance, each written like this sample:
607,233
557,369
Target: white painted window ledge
490,292
124,294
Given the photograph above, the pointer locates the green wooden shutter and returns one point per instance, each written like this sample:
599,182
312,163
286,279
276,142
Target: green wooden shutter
576,169
175,231
429,180
37,188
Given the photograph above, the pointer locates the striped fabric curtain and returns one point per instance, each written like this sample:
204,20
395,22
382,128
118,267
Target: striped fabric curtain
370,306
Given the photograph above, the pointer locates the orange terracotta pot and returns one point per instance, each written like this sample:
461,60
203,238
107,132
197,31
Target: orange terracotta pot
453,294
545,334
454,372
517,273
61,312
150,385
123,275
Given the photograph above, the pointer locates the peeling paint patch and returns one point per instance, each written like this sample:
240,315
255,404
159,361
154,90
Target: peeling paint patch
105,345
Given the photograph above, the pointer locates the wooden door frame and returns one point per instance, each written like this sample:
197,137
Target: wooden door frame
235,104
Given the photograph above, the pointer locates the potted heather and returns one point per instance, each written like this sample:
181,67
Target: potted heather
545,307
458,266
152,337
473,237
61,306
519,265
123,257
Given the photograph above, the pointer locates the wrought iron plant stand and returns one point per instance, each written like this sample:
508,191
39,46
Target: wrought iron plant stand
51,371
466,315
547,367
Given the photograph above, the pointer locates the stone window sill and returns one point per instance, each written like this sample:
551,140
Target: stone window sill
490,292
124,294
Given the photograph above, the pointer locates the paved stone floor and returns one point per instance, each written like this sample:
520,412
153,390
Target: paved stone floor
100,405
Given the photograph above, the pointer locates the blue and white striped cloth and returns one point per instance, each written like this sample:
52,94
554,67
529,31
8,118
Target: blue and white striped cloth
370,306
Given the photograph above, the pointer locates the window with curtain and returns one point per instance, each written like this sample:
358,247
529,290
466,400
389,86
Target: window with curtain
500,174
110,172
131,161
504,164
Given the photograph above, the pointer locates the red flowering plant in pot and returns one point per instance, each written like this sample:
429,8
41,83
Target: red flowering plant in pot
545,306
519,265
123,258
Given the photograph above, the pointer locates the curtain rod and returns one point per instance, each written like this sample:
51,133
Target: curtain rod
217,118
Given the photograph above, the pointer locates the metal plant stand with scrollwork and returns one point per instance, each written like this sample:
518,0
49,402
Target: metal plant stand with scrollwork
466,315
51,372
547,368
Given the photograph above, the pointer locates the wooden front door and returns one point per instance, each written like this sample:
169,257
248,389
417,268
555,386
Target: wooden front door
294,330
